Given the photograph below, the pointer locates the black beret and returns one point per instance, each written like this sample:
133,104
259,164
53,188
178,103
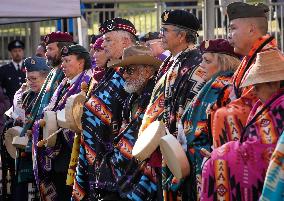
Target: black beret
243,10
76,50
35,63
16,44
116,24
181,18
73,49
149,36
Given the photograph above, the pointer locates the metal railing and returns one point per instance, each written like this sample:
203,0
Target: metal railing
145,17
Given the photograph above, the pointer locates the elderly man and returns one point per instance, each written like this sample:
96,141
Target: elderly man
52,162
140,68
178,82
102,117
12,75
36,72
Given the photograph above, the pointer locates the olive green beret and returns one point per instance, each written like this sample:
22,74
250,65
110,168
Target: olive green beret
243,10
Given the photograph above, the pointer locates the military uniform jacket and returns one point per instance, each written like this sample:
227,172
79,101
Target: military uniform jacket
11,79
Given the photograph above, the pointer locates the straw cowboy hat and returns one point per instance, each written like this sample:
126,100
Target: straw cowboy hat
269,67
136,55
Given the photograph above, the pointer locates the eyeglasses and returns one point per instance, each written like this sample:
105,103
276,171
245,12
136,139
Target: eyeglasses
163,30
32,79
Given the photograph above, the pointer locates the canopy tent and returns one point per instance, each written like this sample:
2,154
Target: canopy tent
15,11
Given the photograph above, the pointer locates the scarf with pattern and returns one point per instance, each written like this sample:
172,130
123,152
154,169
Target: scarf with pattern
194,130
43,157
274,180
101,122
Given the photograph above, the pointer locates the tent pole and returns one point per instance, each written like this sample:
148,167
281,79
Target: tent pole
80,33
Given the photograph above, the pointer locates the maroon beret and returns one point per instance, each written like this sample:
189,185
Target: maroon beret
98,44
58,37
116,24
220,46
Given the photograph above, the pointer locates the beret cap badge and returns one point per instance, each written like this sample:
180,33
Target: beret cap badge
206,44
166,16
47,39
65,50
33,61
111,25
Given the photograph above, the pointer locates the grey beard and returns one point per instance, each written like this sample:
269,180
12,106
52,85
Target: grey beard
134,85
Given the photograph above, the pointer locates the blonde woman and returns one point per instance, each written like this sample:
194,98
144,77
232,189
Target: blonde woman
219,63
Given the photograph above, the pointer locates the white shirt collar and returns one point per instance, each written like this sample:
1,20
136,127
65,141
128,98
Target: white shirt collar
16,64
73,80
177,55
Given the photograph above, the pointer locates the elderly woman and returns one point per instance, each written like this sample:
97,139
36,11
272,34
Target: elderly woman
100,60
236,170
51,164
219,63
36,72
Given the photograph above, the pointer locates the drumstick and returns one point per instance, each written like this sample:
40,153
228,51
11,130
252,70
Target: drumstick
44,141
205,152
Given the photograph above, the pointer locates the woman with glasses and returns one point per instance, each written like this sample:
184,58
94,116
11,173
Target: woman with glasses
36,72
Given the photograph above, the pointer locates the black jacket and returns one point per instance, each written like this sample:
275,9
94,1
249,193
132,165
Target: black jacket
11,79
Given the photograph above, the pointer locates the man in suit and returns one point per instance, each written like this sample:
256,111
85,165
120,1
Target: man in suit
12,75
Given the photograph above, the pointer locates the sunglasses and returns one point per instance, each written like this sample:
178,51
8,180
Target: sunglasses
129,70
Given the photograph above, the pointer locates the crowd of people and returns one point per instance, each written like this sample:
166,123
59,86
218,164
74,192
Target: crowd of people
95,124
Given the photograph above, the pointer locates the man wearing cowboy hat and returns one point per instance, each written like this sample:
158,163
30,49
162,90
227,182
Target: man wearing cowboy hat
139,74
102,117
179,80
248,35
12,75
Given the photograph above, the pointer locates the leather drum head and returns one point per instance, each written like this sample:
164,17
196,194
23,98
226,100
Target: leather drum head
174,156
50,124
149,140
61,120
74,111
9,135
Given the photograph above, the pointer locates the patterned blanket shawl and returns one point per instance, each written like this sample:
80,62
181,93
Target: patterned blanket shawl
44,157
127,170
274,180
236,170
101,122
195,128
173,91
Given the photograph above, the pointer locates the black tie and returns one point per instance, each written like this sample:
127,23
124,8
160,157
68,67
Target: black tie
19,68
